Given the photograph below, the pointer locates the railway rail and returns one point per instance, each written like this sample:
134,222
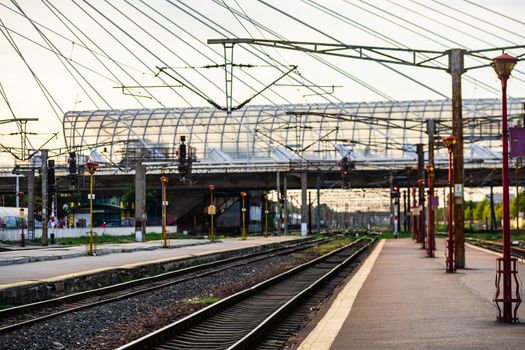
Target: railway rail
496,246
28,314
245,319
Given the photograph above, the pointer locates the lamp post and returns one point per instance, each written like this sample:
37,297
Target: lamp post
431,244
266,215
507,266
449,142
243,227
211,211
164,182
92,168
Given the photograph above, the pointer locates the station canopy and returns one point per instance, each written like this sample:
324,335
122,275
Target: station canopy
369,133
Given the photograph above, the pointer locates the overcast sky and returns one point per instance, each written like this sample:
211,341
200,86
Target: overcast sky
107,44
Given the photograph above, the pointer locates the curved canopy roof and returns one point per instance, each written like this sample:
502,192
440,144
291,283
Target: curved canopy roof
283,132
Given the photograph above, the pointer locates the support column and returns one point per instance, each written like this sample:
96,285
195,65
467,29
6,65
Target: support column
285,203
304,204
140,202
44,197
31,204
456,69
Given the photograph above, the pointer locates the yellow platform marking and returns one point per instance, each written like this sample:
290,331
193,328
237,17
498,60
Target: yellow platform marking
323,335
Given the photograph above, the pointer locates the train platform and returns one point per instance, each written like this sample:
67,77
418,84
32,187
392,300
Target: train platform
69,262
399,299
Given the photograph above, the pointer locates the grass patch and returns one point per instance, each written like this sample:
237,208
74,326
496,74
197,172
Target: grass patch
390,235
333,245
496,236
5,306
204,301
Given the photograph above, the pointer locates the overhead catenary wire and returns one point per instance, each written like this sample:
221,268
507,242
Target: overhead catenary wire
49,98
63,18
69,40
63,62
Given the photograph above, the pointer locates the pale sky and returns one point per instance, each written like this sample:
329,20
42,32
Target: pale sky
171,33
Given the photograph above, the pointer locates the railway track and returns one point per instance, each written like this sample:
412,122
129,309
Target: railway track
28,314
245,319
496,246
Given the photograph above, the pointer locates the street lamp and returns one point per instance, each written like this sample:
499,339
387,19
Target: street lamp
211,211
92,168
431,244
164,182
243,228
449,142
507,266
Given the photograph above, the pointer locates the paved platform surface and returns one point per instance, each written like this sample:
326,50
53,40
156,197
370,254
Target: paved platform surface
409,302
132,254
28,254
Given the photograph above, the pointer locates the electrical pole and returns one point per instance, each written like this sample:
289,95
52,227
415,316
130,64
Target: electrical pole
456,68
44,196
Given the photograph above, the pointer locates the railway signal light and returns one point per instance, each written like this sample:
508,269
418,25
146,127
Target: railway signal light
394,193
346,167
182,154
51,176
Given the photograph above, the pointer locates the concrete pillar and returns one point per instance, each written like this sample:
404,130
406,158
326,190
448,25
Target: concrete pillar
31,204
140,202
304,204
44,196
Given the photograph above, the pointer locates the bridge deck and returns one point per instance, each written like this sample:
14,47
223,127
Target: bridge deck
409,302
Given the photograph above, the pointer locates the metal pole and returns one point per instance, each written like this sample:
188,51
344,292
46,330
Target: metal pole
31,204
507,287
431,244
90,214
304,206
450,242
44,197
518,164
266,215
164,235
456,69
405,219
318,188
211,211
243,228
309,213
279,213
421,186
17,204
285,189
